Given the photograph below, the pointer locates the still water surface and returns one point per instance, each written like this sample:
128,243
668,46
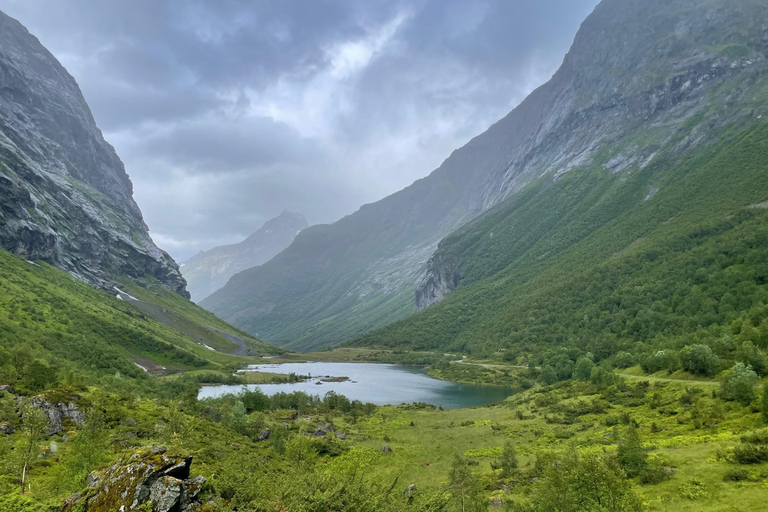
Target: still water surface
381,384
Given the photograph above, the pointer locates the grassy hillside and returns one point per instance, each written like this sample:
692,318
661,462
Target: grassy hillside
660,257
60,326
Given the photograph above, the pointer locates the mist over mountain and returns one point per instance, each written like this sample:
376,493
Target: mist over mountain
209,270
643,78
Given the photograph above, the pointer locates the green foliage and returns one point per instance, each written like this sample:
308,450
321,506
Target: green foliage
508,462
699,360
764,405
738,384
631,455
590,258
583,369
585,484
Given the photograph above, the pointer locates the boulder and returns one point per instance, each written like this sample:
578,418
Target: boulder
6,429
128,422
150,479
341,435
386,449
264,435
57,412
410,491
495,502
6,387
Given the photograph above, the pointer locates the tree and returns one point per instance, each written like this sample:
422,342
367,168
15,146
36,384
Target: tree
238,418
739,384
508,462
752,356
631,455
624,360
465,485
548,375
700,359
585,484
764,405
33,427
583,369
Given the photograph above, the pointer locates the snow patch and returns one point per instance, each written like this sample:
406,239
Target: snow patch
121,292
137,364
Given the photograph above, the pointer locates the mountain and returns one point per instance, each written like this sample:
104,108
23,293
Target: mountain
65,197
645,82
208,271
628,253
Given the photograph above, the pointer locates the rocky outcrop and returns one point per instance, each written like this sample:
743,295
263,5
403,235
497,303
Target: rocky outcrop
65,197
149,478
57,412
642,77
437,284
208,271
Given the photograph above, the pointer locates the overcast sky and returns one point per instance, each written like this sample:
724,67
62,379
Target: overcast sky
226,112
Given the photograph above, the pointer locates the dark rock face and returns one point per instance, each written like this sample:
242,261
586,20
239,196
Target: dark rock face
437,284
65,197
208,271
143,478
642,76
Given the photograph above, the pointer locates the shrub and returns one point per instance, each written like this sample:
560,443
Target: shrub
736,475
700,360
739,384
583,369
631,455
661,360
624,360
693,489
750,453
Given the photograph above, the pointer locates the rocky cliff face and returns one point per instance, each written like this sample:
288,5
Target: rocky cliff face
208,271
642,76
64,194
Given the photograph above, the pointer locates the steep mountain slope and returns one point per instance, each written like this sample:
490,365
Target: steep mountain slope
64,195
208,271
643,78
50,316
668,255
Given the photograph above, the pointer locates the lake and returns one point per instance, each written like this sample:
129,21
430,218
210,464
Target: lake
381,384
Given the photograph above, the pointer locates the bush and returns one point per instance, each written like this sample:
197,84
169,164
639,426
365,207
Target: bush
583,369
624,360
739,384
631,455
750,453
661,360
736,475
700,360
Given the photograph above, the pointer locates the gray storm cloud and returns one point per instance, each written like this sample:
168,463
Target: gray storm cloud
226,112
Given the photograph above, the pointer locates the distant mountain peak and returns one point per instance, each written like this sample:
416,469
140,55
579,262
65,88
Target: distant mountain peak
209,270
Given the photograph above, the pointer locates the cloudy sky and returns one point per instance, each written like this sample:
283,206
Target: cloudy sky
226,112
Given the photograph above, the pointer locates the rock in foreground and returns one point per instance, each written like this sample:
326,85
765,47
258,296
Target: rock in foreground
148,478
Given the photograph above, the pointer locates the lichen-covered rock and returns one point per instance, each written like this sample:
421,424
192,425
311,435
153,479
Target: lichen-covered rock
148,477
